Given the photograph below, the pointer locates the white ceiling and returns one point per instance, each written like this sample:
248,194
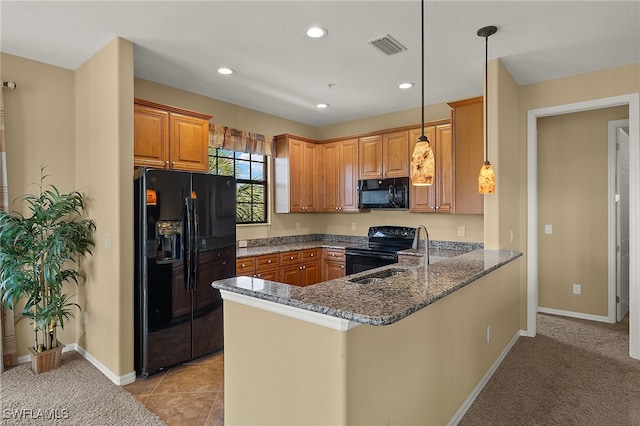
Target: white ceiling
282,72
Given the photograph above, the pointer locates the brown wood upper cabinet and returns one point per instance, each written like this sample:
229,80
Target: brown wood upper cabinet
468,147
339,176
296,170
384,156
437,198
167,137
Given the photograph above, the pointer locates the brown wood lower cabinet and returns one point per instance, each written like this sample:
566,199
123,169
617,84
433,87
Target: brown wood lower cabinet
297,267
300,267
333,265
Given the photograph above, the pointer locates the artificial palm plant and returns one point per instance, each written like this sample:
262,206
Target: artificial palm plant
41,252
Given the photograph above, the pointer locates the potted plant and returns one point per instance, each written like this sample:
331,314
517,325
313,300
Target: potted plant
39,253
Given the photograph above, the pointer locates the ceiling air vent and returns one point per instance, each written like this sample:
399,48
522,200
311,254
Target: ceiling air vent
387,45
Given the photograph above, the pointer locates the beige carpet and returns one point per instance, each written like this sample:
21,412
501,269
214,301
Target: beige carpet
77,393
574,372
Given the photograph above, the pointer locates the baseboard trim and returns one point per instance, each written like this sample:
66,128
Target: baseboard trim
476,391
572,314
118,380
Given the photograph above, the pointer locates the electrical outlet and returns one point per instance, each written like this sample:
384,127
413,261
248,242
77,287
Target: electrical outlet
106,241
489,333
548,229
577,289
297,226
242,243
353,226
462,231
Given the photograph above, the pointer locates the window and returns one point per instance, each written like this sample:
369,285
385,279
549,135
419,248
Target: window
250,171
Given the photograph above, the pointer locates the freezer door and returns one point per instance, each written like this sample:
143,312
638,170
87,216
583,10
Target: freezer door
163,320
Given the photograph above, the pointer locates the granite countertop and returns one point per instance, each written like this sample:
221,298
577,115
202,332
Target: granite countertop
447,249
378,303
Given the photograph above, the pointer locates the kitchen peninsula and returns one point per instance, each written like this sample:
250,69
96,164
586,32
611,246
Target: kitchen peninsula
409,348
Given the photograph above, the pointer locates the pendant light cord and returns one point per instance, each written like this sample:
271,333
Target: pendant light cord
422,137
486,99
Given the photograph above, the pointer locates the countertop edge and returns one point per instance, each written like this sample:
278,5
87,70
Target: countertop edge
294,296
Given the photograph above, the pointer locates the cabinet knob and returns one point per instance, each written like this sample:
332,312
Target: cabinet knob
312,254
337,208
259,275
291,258
332,254
173,162
304,267
269,261
342,266
242,265
224,262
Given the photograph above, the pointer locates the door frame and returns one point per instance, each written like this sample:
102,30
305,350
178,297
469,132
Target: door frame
633,102
613,218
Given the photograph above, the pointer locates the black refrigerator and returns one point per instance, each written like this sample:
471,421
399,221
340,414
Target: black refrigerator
185,236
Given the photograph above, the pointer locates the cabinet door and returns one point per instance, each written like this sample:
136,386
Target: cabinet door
189,147
302,176
332,270
150,137
348,176
444,169
290,274
395,154
422,198
269,274
370,156
309,177
330,199
310,273
468,149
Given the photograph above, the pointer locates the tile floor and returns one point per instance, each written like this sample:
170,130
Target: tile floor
189,394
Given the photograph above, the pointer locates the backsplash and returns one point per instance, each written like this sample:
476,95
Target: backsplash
356,240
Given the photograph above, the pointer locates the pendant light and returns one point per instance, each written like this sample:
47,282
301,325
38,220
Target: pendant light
423,165
487,177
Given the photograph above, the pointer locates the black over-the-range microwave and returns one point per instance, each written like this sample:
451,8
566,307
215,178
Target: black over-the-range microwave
383,193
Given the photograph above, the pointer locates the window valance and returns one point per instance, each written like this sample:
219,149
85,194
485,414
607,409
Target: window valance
239,140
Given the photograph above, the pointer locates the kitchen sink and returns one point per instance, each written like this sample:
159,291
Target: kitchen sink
378,276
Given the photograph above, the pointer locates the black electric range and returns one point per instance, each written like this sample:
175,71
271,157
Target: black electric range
383,245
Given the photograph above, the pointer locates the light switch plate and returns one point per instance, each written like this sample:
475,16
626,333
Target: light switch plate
462,231
548,229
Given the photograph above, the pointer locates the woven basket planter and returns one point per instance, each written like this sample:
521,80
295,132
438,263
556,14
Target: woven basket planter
41,362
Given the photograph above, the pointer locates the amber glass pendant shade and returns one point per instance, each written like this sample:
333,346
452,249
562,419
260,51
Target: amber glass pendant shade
423,165
487,179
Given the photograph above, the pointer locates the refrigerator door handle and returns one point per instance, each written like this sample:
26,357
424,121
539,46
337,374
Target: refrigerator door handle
196,246
188,261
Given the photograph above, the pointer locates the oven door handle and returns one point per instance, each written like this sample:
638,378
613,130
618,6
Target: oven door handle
383,256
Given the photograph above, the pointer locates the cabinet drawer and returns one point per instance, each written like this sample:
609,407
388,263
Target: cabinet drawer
334,254
310,254
290,257
245,266
267,261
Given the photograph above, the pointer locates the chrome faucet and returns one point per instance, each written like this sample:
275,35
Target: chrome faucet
426,245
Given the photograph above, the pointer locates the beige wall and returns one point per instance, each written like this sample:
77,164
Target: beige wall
418,371
572,197
583,87
104,169
39,126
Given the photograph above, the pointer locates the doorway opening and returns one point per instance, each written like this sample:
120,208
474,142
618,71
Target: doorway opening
633,102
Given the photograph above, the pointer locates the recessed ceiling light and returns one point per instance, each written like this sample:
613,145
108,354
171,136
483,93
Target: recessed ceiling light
225,71
406,85
316,32
322,106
